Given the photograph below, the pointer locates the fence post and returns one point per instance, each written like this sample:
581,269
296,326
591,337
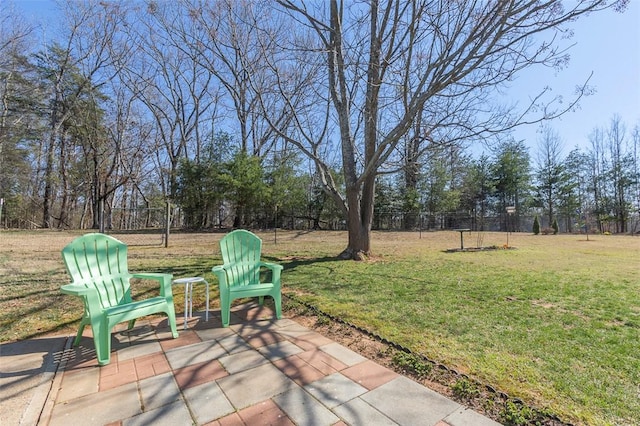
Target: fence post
168,224
275,227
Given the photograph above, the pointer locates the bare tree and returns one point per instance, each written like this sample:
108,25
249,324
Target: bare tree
550,171
230,38
635,135
74,69
117,153
164,74
14,40
386,63
613,175
621,175
597,182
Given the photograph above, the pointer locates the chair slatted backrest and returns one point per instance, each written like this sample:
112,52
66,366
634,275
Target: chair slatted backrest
241,252
100,261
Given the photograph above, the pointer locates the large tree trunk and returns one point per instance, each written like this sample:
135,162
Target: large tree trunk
47,199
64,184
359,220
361,192
359,244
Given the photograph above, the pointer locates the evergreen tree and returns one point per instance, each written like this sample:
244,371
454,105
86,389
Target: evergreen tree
574,190
198,192
287,191
244,186
550,172
200,187
477,188
511,178
536,225
389,202
21,126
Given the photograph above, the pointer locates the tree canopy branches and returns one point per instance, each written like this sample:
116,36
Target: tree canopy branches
139,94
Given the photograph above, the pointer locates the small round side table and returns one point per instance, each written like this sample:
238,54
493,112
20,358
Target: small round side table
188,296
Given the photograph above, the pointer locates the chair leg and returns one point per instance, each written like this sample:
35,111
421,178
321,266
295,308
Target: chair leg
225,309
83,323
102,340
171,314
277,301
260,300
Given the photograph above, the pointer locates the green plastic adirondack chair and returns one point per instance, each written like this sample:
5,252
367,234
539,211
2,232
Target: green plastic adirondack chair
97,264
239,276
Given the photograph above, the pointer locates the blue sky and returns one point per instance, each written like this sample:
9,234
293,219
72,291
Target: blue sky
606,43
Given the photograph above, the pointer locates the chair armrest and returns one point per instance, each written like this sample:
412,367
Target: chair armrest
221,274
152,276
272,266
76,290
90,296
275,271
163,279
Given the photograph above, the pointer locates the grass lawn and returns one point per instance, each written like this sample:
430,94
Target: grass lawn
555,322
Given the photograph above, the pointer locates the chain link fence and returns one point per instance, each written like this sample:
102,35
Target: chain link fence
153,225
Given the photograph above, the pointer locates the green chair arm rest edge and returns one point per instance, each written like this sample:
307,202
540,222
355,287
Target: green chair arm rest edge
89,294
163,279
77,290
221,274
272,266
275,269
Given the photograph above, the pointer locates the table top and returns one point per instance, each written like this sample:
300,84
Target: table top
462,229
188,280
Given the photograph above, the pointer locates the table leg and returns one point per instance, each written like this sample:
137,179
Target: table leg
186,300
191,300
207,308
